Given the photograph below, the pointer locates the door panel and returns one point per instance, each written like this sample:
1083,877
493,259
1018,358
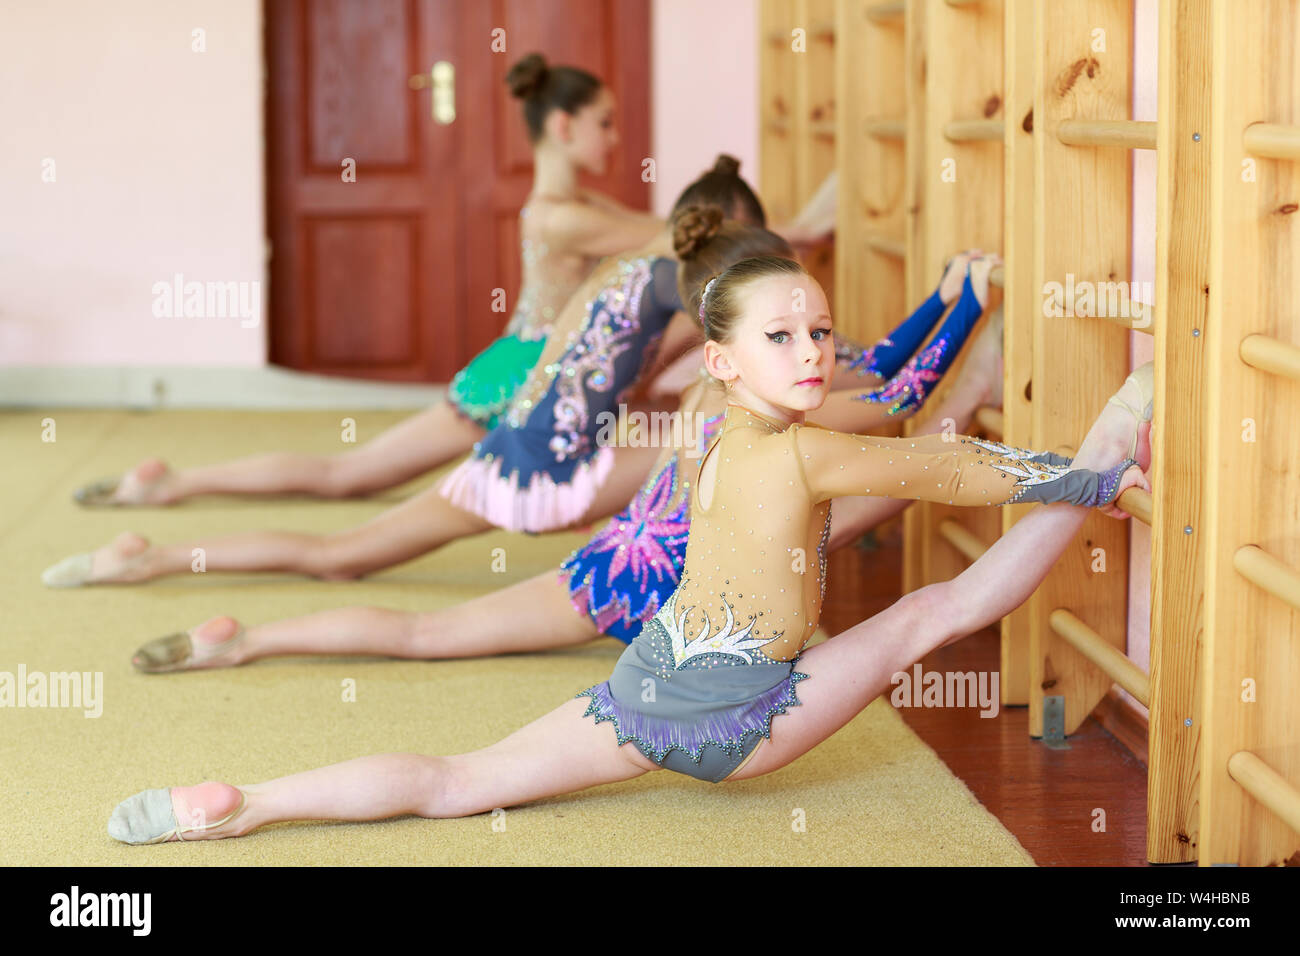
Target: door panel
393,276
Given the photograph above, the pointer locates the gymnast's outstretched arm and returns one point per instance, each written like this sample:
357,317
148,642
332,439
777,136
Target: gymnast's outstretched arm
956,470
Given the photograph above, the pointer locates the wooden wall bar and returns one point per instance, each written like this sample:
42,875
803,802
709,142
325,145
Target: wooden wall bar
1252,461
1081,228
1019,298
1174,729
915,86
798,129
959,194
869,290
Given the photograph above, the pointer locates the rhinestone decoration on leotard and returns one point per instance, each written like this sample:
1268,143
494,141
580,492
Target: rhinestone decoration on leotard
908,389
637,556
544,293
588,359
619,577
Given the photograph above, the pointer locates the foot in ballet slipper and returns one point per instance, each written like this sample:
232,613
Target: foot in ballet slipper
179,814
120,562
1137,397
146,484
1122,430
214,643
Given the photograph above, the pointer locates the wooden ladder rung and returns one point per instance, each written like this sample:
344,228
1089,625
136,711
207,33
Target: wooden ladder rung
1265,571
886,246
961,539
1271,355
1267,786
1126,134
885,11
990,419
886,129
1111,660
965,131
1272,140
1143,321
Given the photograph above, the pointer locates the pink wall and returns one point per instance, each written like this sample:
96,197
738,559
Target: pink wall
157,155
705,87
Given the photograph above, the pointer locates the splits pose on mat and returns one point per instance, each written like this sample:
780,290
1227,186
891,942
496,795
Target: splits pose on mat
614,584
713,674
564,230
632,298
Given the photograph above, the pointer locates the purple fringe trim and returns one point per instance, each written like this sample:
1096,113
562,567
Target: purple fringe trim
655,736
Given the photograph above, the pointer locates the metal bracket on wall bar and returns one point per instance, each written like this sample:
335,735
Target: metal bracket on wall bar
1054,723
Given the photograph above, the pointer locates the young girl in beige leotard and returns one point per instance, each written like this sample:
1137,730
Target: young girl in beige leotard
778,361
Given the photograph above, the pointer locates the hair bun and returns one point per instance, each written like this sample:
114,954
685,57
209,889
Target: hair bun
726,165
693,227
527,76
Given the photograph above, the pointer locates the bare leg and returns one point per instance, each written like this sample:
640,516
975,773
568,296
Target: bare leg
562,752
492,624
408,449
857,666
414,527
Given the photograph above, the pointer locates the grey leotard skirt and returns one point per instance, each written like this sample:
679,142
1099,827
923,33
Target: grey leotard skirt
702,716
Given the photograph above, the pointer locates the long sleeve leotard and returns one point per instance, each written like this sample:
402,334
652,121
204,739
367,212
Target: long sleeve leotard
909,379
754,574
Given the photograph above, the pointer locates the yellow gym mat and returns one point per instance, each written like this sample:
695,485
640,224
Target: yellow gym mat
874,794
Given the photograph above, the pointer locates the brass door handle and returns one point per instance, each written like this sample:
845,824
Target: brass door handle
442,80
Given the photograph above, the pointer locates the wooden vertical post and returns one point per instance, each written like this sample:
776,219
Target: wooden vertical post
1252,461
1081,227
918,198
1178,446
869,290
960,185
1019,300
815,111
778,120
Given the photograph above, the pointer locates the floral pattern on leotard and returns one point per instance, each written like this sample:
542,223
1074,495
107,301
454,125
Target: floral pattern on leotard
632,560
908,389
618,578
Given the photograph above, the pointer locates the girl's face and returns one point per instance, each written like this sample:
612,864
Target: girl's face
588,136
781,355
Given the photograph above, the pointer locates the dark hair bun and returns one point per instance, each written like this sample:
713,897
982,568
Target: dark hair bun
726,165
693,227
527,76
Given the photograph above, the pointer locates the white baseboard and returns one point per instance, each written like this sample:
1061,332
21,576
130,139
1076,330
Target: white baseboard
158,387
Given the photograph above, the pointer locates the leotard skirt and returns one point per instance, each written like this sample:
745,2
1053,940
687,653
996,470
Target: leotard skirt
696,707
484,388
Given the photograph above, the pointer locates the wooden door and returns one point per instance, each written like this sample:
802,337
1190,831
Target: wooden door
391,273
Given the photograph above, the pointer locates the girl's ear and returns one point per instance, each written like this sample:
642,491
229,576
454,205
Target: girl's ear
717,363
559,126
